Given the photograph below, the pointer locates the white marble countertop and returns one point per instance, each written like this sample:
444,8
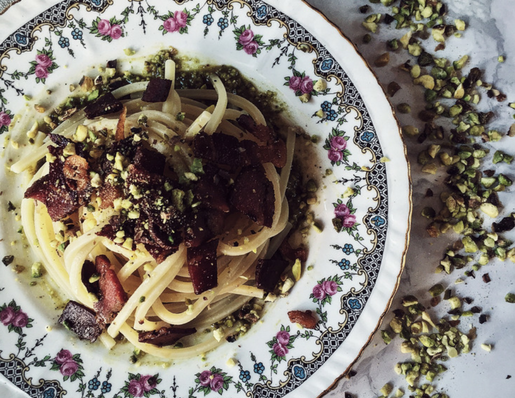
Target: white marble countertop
489,34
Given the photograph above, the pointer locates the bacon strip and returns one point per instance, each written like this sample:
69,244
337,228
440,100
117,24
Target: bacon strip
253,195
103,105
202,266
120,126
165,336
113,297
227,150
304,318
81,321
268,272
157,90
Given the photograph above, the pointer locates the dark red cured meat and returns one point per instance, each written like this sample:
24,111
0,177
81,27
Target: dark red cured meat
54,192
211,192
304,318
268,273
227,150
108,193
150,160
253,195
113,297
80,320
104,105
263,133
164,336
292,254
157,90
202,266
219,148
202,226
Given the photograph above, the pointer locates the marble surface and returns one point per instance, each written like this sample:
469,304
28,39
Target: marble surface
489,34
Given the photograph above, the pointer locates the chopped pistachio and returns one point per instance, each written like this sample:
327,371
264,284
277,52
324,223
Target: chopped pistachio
410,130
430,168
386,389
489,209
460,25
486,347
510,298
404,108
436,290
382,60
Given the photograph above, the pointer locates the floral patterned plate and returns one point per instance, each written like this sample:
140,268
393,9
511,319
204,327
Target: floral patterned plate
365,206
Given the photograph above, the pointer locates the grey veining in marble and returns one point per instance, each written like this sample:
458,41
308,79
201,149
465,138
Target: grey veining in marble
489,34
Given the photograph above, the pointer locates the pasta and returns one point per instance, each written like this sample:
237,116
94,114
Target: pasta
130,189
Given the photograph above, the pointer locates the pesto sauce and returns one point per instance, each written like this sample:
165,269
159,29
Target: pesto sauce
234,83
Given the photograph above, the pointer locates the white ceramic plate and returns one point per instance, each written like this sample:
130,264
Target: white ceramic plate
282,45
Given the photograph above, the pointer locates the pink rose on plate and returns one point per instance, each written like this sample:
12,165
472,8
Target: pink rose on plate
251,48
280,350
181,18
338,143
20,319
295,82
334,156
69,368
43,60
319,292
246,37
349,221
217,382
283,337
104,27
205,378
41,72
330,287
306,85
148,382
5,120
116,32
341,211
8,314
171,25
63,356
135,388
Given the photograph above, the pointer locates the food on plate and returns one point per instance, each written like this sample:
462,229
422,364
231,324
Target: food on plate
161,212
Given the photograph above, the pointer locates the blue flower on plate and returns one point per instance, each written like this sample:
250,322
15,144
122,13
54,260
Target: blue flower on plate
97,2
326,106
93,384
354,304
259,368
106,387
344,264
367,136
327,64
64,42
261,12
331,115
244,375
223,23
299,372
378,221
77,34
49,393
348,249
208,19
20,39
